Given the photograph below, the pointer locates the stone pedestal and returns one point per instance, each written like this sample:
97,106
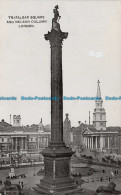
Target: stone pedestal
57,177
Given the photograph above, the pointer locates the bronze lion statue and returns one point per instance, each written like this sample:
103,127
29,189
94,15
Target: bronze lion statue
110,188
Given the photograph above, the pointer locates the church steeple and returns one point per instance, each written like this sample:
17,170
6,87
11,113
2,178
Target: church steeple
98,89
99,115
99,101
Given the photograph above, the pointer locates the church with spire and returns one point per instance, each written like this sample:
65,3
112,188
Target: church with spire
99,114
96,135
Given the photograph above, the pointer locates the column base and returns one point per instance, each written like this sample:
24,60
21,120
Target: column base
40,190
56,187
57,178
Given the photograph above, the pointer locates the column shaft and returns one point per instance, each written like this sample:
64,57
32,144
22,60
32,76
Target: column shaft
22,143
56,91
101,143
16,143
96,141
92,142
38,139
86,142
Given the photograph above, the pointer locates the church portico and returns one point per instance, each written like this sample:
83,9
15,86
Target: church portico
100,140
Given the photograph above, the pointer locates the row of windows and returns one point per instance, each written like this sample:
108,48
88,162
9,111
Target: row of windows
7,139
4,140
36,139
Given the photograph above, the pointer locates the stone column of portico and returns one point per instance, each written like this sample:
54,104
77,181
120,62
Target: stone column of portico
25,140
12,144
47,141
22,143
96,141
41,142
88,141
108,143
101,142
57,156
92,142
38,140
15,143
115,144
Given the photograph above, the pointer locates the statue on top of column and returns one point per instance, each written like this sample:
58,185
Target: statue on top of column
55,20
56,14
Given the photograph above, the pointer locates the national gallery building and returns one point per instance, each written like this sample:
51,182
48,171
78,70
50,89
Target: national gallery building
23,139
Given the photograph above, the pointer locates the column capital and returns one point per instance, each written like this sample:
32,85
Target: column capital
56,37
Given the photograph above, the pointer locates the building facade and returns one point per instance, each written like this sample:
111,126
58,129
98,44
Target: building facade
16,138
96,136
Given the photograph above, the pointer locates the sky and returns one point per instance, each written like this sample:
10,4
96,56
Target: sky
92,51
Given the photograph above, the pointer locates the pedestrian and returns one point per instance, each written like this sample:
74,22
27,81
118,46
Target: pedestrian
106,177
22,185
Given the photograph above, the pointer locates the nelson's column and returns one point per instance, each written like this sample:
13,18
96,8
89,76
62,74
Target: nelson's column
57,178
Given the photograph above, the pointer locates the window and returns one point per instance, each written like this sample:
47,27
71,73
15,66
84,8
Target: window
101,117
2,139
31,139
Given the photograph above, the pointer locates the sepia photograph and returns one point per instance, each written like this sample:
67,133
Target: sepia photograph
60,97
